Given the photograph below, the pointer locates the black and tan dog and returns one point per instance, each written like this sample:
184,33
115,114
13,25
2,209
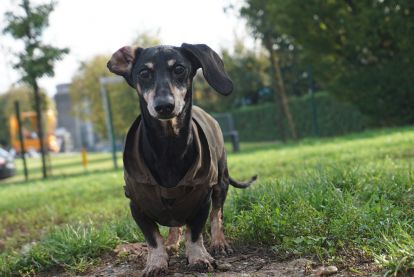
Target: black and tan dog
174,158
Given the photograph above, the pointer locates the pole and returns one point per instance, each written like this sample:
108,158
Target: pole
108,111
21,138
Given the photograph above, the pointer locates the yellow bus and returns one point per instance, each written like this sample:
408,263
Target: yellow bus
30,132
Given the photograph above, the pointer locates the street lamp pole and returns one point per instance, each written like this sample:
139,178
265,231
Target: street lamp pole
108,112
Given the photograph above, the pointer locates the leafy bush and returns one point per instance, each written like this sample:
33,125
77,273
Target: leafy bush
259,123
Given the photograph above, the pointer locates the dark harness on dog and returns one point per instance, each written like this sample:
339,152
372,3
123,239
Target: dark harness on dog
175,205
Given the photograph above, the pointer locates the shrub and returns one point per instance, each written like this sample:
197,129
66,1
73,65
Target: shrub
259,123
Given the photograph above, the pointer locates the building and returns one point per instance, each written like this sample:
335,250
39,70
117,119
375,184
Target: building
81,132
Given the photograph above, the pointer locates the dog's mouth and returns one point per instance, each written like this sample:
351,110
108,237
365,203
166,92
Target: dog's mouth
165,117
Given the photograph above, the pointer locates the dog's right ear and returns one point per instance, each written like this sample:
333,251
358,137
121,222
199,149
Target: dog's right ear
122,61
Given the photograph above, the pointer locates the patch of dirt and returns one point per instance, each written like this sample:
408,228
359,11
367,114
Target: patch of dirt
128,260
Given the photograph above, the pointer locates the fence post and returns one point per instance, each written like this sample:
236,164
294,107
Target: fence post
21,138
234,135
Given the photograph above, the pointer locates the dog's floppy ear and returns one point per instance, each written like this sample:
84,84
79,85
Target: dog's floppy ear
122,61
213,68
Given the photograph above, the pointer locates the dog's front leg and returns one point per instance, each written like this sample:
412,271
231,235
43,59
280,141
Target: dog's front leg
157,259
198,257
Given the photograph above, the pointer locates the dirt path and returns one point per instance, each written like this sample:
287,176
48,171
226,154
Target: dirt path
128,260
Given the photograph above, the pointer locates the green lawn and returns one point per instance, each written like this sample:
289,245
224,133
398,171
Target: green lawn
330,199
63,165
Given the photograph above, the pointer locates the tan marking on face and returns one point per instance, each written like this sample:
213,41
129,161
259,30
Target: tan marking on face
149,65
149,98
195,251
178,94
173,241
157,257
171,62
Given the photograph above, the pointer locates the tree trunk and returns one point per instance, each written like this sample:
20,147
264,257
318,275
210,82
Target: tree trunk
40,127
280,88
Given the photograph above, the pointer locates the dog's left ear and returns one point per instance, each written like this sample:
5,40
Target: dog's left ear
213,68
122,61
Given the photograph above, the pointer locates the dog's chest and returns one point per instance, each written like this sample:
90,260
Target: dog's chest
172,206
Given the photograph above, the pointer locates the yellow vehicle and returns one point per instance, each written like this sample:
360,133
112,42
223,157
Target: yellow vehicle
30,132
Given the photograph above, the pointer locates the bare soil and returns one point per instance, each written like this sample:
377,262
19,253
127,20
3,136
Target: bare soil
128,260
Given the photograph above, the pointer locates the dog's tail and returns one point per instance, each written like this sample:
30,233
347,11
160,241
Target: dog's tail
242,185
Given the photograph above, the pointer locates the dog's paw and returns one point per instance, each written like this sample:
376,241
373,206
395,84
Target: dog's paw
198,258
220,248
207,264
153,271
157,262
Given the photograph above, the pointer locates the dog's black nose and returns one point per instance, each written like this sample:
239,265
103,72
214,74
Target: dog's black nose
164,106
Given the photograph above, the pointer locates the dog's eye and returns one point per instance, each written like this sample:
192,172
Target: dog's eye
178,69
144,74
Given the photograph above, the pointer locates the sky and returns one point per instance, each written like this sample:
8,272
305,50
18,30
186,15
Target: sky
93,27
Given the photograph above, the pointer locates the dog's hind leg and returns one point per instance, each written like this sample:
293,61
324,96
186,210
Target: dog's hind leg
218,244
157,259
173,241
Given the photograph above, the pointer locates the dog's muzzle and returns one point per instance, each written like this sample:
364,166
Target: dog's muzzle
164,106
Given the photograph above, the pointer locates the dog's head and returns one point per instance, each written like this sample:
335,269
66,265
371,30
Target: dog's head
162,75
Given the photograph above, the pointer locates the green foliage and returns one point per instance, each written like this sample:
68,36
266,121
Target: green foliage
362,51
317,214
72,248
37,59
259,123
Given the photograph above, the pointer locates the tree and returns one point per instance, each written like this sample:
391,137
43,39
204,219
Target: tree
368,46
260,19
361,51
37,59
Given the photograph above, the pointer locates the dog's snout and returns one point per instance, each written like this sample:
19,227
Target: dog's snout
164,106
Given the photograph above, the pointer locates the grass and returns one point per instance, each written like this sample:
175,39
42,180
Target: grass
63,165
331,199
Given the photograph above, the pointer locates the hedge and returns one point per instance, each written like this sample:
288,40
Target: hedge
260,123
